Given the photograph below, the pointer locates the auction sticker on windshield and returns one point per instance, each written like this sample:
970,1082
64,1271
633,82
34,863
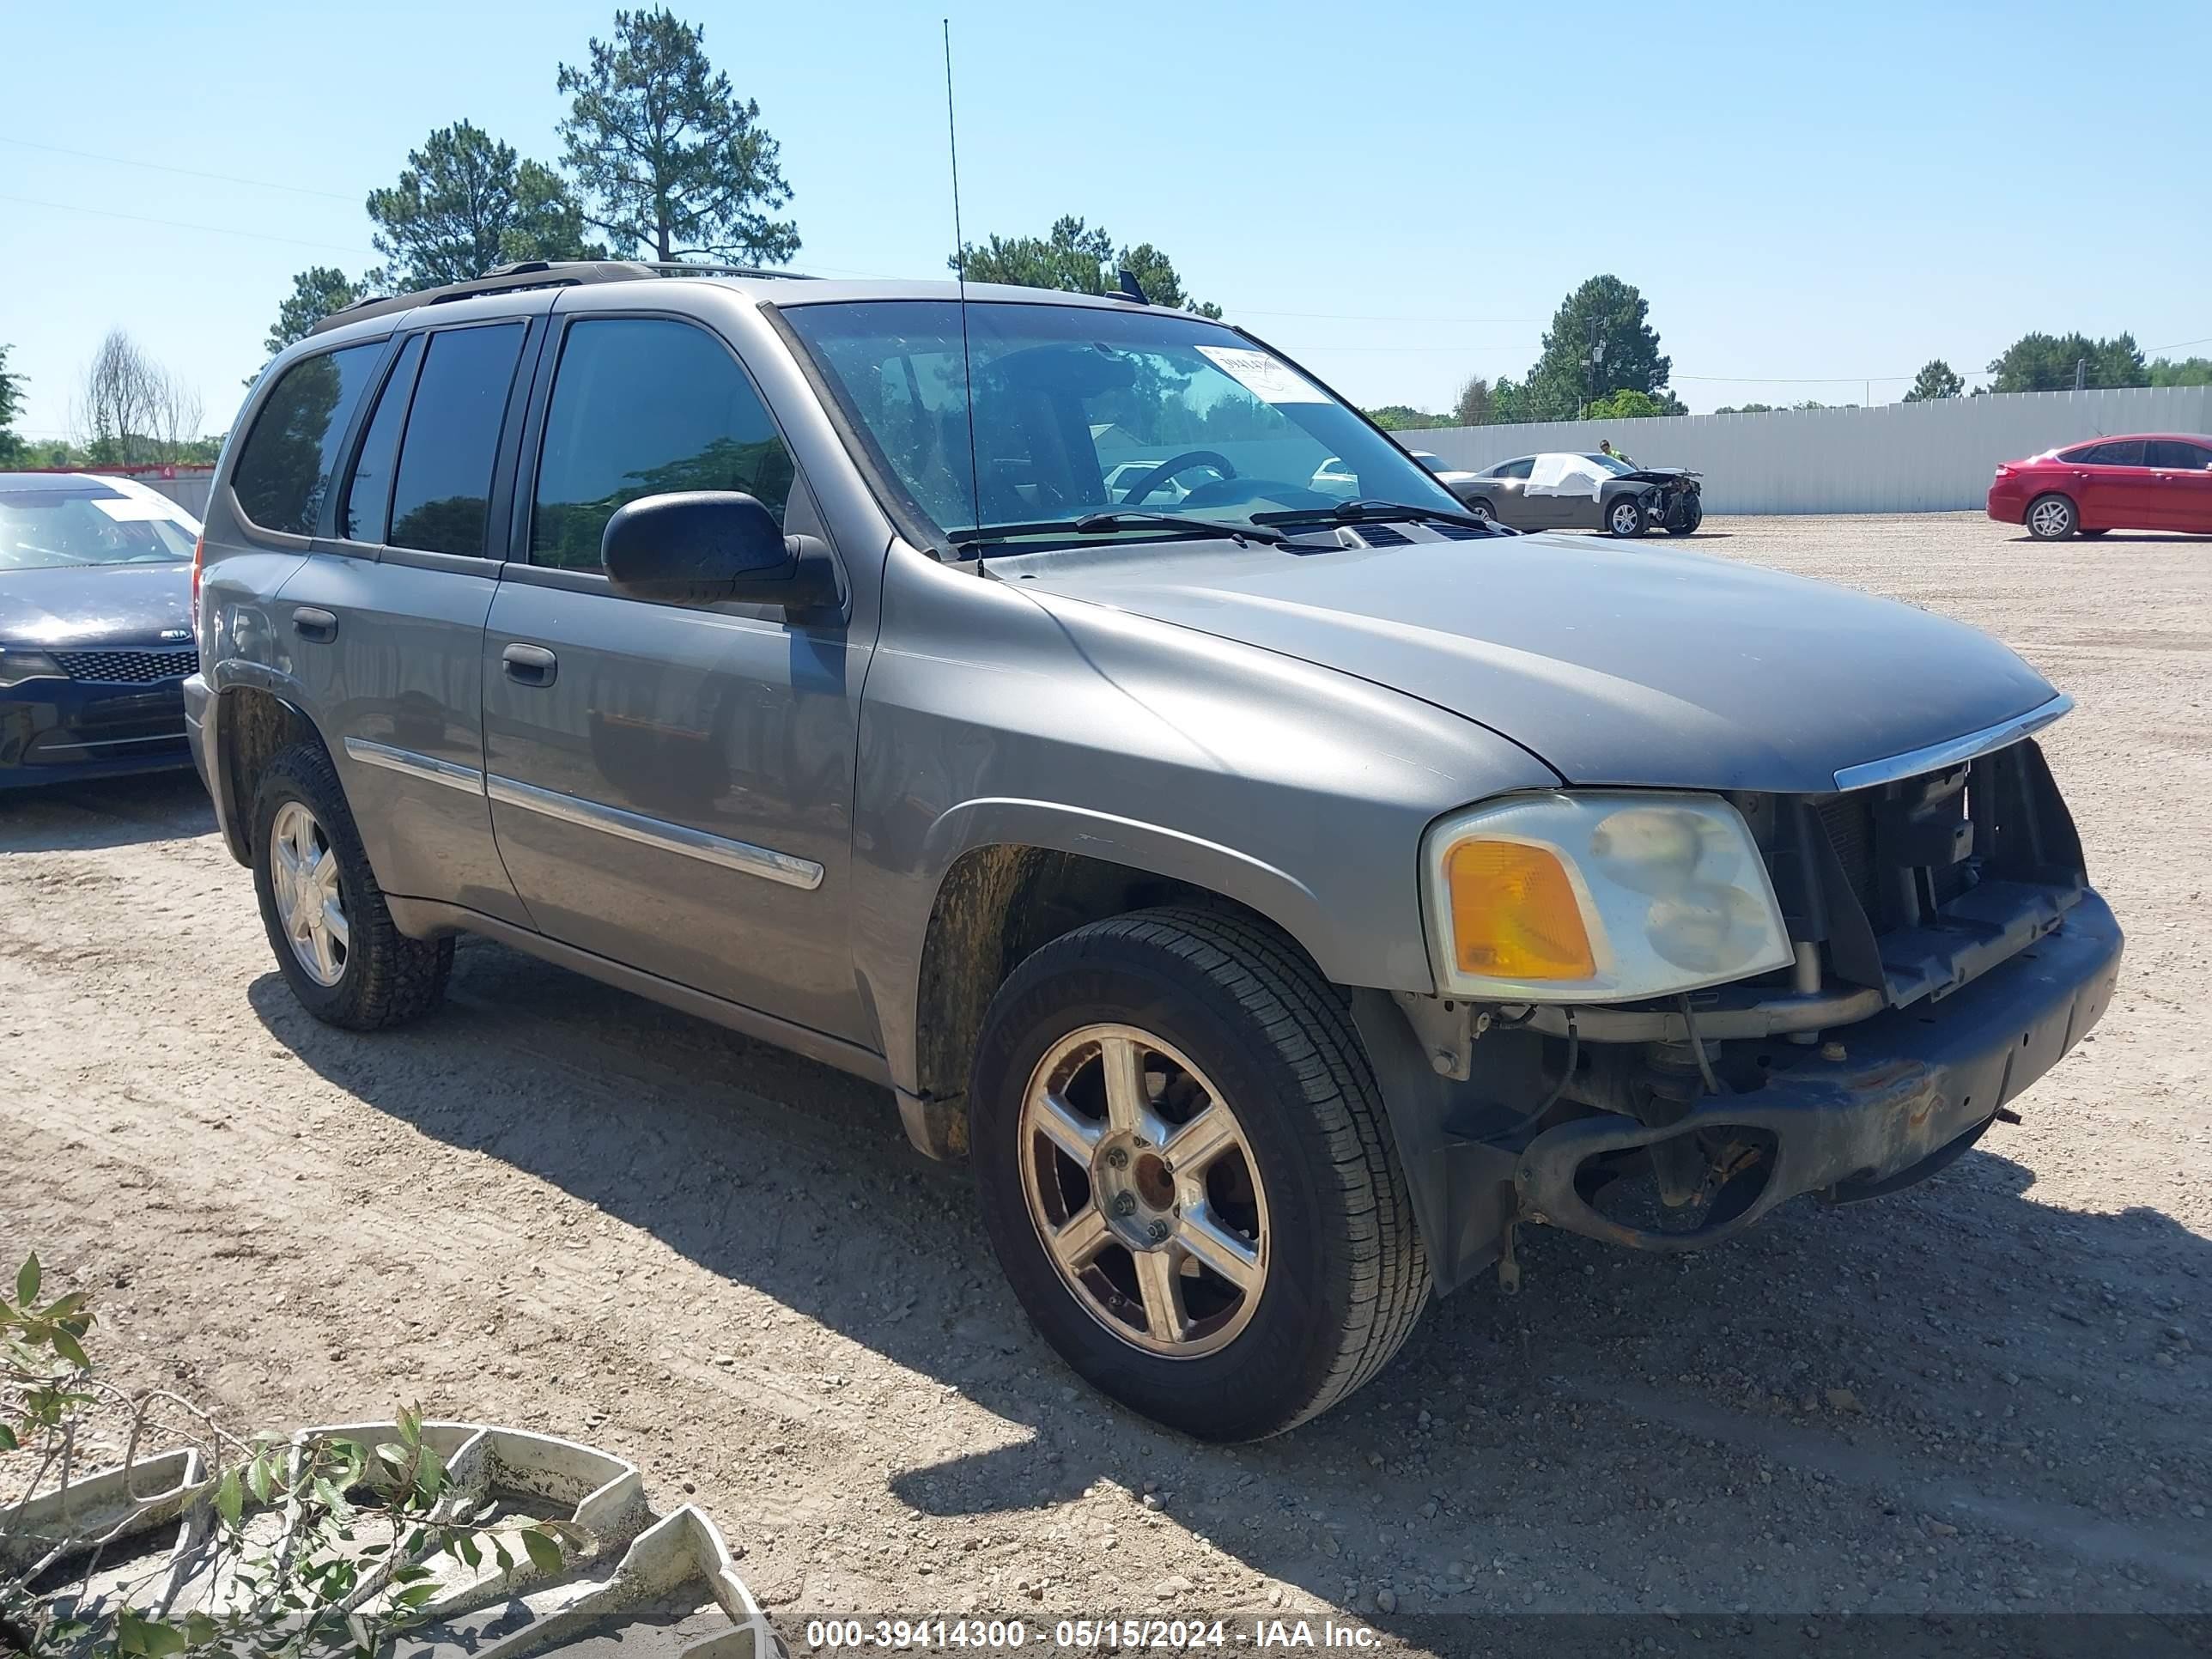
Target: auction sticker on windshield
1268,378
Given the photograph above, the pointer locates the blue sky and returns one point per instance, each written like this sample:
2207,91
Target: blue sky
1397,196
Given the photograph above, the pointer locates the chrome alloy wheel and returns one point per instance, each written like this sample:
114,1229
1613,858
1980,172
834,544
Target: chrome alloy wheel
2050,519
1143,1191
1624,518
303,875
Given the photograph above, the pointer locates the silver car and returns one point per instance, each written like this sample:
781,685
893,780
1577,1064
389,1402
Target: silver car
1281,902
1584,491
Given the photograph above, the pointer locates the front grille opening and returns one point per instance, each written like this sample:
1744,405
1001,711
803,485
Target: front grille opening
113,667
1915,887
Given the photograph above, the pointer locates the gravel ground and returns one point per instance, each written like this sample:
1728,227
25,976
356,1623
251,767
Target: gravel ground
557,1205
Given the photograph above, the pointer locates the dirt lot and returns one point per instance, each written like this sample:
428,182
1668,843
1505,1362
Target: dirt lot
559,1206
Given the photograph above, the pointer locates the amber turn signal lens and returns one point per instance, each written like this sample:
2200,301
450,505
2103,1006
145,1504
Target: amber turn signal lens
1514,914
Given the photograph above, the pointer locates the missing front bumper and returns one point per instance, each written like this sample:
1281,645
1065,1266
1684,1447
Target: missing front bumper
1917,1088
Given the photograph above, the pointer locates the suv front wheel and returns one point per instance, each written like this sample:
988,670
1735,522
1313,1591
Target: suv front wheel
1182,1162
327,922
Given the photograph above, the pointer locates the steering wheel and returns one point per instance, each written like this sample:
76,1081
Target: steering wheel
1159,475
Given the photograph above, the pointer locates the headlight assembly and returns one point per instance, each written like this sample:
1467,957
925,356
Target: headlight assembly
1603,896
18,665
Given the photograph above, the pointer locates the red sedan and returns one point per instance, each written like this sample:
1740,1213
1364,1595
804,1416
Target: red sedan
2156,481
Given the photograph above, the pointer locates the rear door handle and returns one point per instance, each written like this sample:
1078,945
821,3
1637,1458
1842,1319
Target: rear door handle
312,623
529,664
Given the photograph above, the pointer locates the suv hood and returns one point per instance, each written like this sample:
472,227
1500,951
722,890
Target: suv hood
1615,665
96,604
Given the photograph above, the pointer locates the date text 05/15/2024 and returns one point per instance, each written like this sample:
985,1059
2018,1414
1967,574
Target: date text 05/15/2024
1010,1635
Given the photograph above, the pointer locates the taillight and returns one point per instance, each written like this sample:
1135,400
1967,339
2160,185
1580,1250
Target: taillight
199,561
2005,469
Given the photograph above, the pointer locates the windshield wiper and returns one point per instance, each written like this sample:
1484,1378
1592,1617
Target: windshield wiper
1105,524
1370,511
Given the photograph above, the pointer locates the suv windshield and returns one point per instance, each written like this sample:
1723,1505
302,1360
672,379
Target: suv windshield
1067,396
42,528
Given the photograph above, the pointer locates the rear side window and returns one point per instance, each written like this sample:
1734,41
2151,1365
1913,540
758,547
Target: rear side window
641,406
2124,452
2172,453
366,510
285,470
1520,468
442,490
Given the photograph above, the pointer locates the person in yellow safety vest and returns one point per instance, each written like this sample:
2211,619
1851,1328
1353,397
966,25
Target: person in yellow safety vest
1605,447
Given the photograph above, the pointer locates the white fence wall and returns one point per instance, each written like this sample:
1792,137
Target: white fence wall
1897,457
190,492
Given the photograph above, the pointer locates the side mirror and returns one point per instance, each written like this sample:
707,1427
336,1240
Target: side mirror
701,546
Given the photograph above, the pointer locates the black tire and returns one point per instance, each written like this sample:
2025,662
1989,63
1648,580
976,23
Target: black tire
1346,1274
1629,524
2101,530
2051,518
1693,515
386,978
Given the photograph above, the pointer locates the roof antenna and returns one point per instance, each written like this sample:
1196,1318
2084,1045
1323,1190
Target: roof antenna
1131,289
960,268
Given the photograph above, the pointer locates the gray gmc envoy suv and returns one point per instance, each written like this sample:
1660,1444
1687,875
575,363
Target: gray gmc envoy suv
1279,899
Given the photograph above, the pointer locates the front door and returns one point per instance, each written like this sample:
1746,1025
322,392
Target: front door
670,784
2181,476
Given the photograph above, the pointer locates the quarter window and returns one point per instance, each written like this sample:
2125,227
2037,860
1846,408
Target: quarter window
440,495
366,510
641,406
285,469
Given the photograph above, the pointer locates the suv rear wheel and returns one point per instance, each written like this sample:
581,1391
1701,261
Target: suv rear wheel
1182,1162
327,922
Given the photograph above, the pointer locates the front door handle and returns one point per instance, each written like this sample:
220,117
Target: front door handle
312,622
529,664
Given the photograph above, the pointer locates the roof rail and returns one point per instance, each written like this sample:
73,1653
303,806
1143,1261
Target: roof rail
535,273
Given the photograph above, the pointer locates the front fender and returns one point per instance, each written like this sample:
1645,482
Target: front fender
1156,849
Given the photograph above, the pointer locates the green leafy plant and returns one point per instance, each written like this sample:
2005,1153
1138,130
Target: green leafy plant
313,1545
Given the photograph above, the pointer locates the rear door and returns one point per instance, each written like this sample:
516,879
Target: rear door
1508,483
2181,480
2111,487
672,785
387,621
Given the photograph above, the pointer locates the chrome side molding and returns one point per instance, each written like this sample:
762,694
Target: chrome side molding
1952,752
408,764
742,856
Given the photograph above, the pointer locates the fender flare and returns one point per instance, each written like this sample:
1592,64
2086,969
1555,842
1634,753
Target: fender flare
225,676
1171,854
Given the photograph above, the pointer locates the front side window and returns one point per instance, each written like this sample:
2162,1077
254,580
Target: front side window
285,468
441,489
2175,455
642,406
1238,429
